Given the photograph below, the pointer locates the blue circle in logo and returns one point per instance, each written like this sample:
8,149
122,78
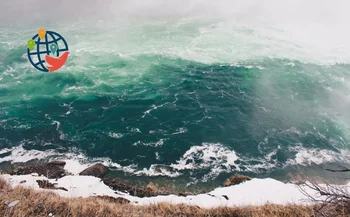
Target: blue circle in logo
42,48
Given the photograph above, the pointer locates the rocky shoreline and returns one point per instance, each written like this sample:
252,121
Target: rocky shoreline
55,170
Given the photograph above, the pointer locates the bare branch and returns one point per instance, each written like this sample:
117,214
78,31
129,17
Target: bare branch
344,169
328,198
341,170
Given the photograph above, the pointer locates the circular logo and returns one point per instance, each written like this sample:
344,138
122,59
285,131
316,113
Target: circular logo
47,51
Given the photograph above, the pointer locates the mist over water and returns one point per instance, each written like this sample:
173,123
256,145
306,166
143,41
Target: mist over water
251,11
194,89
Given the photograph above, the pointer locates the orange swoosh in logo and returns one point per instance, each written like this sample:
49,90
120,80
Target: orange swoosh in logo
56,63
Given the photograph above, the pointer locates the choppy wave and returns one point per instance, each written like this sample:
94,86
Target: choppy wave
206,155
212,157
305,156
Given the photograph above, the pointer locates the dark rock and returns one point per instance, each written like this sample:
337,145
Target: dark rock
158,169
184,194
119,200
152,188
225,196
236,179
119,185
24,181
62,188
57,163
47,185
51,171
149,190
97,170
123,186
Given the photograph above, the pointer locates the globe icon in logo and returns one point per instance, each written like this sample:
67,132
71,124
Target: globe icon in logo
47,51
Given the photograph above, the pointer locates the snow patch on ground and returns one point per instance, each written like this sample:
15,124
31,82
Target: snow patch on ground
254,192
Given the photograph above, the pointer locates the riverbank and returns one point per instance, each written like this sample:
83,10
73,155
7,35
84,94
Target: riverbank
240,196
93,181
29,202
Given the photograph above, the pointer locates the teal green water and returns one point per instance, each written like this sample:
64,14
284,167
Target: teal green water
182,96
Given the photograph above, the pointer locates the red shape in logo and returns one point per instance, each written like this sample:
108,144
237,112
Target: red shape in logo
56,63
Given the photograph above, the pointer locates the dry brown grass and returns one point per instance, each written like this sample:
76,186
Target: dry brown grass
33,203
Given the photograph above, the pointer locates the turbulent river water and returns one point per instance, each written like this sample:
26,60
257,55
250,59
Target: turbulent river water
184,96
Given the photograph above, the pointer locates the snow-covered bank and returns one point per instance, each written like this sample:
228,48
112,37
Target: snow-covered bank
254,192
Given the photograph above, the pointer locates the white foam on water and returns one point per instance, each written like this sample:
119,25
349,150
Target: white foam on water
260,164
115,135
307,156
5,150
78,162
180,130
211,156
207,154
158,170
75,161
75,164
158,143
19,154
157,156
58,126
134,130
